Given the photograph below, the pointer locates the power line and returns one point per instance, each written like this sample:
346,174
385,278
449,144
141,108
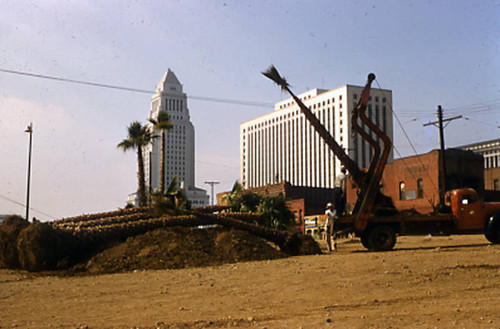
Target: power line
102,85
218,164
409,141
23,205
484,123
475,105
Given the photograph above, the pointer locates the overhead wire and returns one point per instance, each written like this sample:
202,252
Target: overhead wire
23,205
102,85
475,108
483,123
411,144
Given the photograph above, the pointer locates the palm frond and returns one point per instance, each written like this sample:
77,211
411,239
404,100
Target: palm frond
172,188
163,122
125,145
273,74
135,130
237,188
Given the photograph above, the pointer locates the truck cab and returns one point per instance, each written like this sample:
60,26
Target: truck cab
471,213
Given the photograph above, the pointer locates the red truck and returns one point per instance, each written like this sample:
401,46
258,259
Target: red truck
469,215
374,218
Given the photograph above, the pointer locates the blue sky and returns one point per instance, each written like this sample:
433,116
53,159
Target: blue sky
429,53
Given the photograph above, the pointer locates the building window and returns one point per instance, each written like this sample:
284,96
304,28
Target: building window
402,194
496,187
420,188
384,119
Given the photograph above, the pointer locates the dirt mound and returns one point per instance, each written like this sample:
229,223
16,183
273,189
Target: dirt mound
180,247
41,247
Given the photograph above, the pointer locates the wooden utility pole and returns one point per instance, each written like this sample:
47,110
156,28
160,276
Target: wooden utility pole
442,162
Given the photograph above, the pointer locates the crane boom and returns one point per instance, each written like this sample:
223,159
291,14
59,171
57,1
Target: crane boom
367,182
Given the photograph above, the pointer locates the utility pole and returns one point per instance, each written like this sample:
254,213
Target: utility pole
212,183
30,131
442,162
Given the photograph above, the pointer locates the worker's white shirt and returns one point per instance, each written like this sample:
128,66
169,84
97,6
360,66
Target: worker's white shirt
330,215
340,180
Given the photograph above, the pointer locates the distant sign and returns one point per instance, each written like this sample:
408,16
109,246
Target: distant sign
311,223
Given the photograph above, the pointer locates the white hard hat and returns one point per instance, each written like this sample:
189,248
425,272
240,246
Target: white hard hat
328,205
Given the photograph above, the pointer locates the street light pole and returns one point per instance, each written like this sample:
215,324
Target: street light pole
211,183
30,131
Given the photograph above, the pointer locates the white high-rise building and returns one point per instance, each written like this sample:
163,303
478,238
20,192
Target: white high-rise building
179,142
283,145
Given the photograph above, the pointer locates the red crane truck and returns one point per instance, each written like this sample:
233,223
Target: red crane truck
374,218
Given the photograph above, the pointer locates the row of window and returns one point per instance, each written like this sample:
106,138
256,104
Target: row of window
384,100
284,152
294,115
355,96
491,161
174,105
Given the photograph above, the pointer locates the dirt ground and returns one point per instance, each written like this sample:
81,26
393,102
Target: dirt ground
426,282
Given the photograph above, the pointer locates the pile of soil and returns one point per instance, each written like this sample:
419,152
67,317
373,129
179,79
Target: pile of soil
180,247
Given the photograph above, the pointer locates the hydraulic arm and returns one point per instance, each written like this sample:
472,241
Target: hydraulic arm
367,182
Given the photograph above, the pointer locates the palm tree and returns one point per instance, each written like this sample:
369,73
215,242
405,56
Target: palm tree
230,199
172,202
138,137
275,212
273,74
162,123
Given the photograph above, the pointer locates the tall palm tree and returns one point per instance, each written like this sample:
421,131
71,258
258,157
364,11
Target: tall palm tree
138,137
229,199
162,123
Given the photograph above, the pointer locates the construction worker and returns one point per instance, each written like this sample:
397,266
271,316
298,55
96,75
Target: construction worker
339,191
330,227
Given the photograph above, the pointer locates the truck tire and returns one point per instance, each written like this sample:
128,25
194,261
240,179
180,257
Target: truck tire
493,229
381,238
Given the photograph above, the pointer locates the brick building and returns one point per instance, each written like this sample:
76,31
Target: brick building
413,182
